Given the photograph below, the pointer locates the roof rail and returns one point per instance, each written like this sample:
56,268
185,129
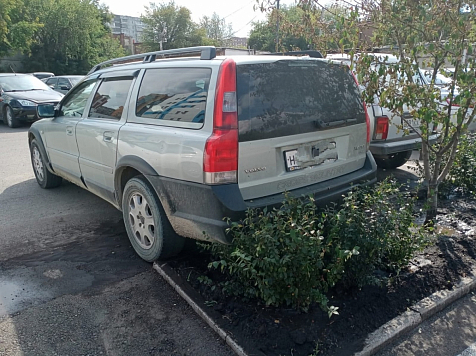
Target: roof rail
206,52
310,53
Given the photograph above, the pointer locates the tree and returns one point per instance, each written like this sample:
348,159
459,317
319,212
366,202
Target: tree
217,29
70,38
16,32
263,34
169,26
434,33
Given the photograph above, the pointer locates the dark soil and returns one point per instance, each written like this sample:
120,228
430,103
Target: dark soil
273,331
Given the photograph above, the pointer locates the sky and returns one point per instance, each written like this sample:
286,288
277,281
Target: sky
239,13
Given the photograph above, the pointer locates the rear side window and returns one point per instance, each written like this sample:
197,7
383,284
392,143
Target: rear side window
292,97
110,98
174,95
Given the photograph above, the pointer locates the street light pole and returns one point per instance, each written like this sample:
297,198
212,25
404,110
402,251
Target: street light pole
277,25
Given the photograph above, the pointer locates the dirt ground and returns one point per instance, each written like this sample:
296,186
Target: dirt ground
274,332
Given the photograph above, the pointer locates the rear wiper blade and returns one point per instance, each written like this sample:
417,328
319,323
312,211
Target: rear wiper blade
335,123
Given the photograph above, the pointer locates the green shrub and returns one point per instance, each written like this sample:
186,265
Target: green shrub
293,255
380,221
281,257
462,175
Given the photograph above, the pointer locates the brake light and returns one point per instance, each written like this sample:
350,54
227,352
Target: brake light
451,103
367,118
381,128
220,157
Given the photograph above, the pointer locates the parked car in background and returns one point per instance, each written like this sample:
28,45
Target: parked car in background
393,138
178,144
63,83
42,75
440,80
19,96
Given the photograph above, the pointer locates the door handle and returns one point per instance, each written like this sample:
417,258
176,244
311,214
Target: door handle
107,136
69,130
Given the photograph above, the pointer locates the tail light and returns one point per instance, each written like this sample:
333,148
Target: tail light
367,118
381,128
220,157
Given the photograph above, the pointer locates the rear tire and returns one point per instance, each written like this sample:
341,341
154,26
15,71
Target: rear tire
147,226
393,161
44,177
9,118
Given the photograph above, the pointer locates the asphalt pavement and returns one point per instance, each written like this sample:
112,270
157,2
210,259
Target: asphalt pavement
70,282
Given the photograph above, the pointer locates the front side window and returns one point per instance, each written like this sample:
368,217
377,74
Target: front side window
174,94
51,82
75,103
110,98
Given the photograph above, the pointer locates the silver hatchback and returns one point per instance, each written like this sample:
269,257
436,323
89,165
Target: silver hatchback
177,144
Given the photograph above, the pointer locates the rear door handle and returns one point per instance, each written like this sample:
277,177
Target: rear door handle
69,130
108,136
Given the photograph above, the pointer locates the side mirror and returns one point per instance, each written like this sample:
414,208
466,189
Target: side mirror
64,87
45,110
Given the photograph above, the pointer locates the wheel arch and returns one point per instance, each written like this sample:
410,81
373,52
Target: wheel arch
129,167
34,134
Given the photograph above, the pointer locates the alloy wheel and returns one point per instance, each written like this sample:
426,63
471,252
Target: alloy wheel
38,164
141,220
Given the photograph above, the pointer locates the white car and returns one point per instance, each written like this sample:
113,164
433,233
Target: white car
393,138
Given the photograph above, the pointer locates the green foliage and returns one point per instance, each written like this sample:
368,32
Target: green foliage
380,221
60,36
217,30
462,175
280,256
263,35
172,25
293,255
16,31
74,36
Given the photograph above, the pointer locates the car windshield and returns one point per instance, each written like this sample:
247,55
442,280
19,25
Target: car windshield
22,83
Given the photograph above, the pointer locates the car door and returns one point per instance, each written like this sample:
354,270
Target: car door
60,134
97,135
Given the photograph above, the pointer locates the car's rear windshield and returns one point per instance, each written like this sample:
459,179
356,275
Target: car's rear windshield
22,83
289,97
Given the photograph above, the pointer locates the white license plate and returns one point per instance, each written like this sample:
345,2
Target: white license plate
290,159
411,124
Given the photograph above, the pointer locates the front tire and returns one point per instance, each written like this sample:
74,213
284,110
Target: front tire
44,177
10,118
147,226
393,161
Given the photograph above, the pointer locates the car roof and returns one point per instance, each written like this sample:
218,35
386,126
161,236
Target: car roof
12,74
66,76
197,62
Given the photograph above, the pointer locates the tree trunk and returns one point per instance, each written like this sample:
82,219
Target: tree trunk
432,202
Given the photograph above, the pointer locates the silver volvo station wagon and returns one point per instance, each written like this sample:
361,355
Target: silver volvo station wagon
179,139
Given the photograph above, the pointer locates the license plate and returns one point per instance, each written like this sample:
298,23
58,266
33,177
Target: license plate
290,159
410,124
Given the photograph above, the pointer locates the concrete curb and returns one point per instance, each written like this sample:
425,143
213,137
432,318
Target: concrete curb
176,282
413,317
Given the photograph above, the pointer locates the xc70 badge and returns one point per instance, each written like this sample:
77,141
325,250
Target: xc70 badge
254,170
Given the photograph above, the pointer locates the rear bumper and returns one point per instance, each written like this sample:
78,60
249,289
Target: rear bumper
385,148
197,210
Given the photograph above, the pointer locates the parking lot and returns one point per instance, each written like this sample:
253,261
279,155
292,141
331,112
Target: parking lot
70,282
